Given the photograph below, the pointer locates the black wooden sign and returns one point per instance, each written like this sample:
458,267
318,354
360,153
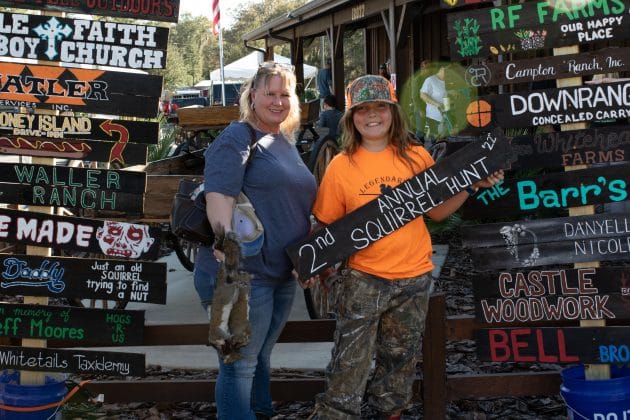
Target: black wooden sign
80,325
79,90
63,127
131,281
554,345
603,61
529,243
69,177
163,10
94,151
77,361
82,41
71,197
551,106
552,295
535,25
400,205
555,191
111,238
592,146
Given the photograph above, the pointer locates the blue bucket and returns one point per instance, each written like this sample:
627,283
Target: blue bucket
13,394
606,399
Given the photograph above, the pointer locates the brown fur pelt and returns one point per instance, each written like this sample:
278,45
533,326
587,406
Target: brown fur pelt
229,312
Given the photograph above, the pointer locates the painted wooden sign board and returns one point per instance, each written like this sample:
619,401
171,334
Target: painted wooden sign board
552,191
551,106
93,151
609,60
71,198
87,362
110,238
552,295
79,90
65,127
163,10
84,278
530,243
64,176
79,325
554,345
83,41
399,205
535,25
591,146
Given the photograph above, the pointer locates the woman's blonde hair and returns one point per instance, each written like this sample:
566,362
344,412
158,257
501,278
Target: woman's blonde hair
398,135
261,80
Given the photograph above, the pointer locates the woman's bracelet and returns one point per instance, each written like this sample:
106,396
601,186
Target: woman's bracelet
471,191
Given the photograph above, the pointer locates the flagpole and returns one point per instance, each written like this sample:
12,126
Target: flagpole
221,65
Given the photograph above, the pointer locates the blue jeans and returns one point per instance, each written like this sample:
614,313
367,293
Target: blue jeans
243,387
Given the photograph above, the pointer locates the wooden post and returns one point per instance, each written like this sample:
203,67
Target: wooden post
599,371
434,360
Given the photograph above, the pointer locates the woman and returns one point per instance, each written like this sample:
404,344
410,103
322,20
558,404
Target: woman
282,190
384,294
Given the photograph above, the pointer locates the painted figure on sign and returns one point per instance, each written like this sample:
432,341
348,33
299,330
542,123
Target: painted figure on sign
124,239
383,295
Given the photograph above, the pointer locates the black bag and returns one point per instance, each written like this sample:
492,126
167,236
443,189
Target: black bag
188,214
189,220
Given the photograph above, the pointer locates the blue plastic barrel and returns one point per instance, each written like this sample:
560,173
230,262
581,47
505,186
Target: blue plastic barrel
12,394
606,399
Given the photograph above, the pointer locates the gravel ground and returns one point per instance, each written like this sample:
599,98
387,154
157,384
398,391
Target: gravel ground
455,280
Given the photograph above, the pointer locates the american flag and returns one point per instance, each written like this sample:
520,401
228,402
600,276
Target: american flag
216,17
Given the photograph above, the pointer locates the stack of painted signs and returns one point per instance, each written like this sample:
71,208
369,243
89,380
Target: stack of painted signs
541,231
72,108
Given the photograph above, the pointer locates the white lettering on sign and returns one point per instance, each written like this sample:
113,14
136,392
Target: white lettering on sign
358,11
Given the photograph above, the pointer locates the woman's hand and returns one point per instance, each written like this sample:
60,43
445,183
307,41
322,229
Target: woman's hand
492,179
310,282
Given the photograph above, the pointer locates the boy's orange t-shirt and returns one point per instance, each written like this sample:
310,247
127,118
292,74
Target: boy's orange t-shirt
349,184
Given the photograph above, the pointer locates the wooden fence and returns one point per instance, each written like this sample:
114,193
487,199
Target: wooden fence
435,387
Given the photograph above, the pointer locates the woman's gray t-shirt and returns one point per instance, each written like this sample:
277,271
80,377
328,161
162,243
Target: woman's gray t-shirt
279,186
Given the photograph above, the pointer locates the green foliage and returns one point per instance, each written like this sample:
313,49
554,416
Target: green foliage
167,139
448,225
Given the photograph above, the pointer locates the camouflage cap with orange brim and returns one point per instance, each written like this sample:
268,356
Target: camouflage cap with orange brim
370,88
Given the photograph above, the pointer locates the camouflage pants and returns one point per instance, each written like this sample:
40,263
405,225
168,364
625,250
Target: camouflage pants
377,319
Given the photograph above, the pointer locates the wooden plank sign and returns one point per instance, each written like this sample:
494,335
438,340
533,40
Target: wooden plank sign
551,106
553,191
163,10
64,127
79,90
552,295
609,60
64,176
87,362
93,151
130,281
82,41
110,238
554,345
530,243
80,325
535,25
400,205
592,146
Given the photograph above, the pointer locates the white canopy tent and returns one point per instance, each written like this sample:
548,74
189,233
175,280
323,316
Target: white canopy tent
245,67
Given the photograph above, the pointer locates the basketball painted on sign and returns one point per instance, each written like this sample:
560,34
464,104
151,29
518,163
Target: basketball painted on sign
163,10
111,238
400,204
83,41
